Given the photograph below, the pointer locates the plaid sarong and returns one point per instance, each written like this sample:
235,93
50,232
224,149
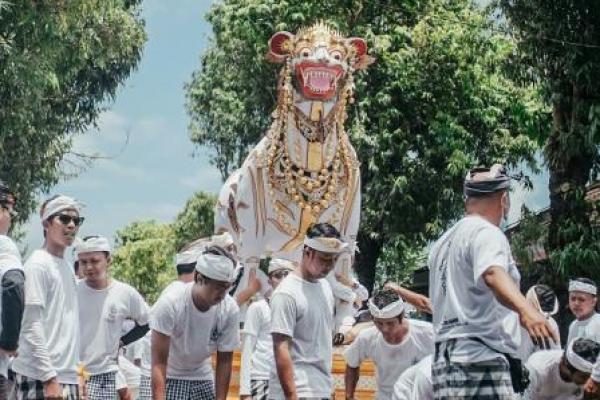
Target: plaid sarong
145,388
180,389
486,380
30,389
102,386
259,389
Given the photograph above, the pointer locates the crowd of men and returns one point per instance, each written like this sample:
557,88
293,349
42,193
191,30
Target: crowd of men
70,331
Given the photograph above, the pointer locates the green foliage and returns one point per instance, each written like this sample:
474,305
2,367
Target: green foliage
559,48
145,250
144,257
60,61
437,101
196,220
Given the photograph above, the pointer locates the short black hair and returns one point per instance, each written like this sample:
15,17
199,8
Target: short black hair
185,268
323,229
384,298
586,349
585,280
546,297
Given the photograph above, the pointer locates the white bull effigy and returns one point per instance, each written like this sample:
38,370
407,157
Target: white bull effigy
304,170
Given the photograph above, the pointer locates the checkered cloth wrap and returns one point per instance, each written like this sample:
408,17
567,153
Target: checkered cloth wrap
145,392
30,389
486,380
102,386
180,389
259,389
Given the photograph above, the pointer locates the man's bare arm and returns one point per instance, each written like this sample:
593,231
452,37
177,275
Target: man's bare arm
223,374
284,364
350,380
160,355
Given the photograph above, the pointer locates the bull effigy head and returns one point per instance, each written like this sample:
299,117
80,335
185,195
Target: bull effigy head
319,59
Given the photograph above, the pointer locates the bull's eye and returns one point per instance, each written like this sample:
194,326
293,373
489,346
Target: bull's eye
336,55
305,52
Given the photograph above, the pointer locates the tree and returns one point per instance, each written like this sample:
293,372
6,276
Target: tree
60,61
437,101
196,220
144,257
559,43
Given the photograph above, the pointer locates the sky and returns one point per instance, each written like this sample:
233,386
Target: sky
154,172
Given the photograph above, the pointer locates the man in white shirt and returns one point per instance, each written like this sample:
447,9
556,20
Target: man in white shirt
302,321
394,344
12,287
560,375
583,298
189,325
104,305
46,366
474,291
257,346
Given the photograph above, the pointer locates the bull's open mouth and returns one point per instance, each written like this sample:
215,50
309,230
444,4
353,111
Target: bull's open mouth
318,81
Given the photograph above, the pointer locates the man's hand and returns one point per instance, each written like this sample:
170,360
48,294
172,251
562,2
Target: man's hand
538,328
344,280
52,390
419,301
591,390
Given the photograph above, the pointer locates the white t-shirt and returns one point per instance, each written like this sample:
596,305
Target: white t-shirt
303,310
102,314
50,284
8,247
587,328
415,383
391,360
545,381
527,347
194,334
265,288
175,285
130,372
463,305
258,324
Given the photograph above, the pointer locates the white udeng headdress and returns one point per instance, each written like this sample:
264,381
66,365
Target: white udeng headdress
61,203
392,310
277,264
92,244
326,244
578,362
577,286
217,267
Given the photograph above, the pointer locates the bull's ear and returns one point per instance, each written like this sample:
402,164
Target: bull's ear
280,46
362,59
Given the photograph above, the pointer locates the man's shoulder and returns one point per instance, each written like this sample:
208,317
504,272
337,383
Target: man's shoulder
259,306
544,359
38,259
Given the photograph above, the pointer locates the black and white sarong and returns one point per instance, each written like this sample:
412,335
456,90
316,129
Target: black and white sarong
181,389
259,389
145,392
102,386
27,388
486,380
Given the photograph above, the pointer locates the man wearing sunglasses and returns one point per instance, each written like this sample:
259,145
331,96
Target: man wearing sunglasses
46,367
12,294
257,347
189,325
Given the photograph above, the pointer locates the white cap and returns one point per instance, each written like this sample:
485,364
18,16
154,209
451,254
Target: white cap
61,203
277,264
223,240
392,310
326,244
217,267
94,243
578,286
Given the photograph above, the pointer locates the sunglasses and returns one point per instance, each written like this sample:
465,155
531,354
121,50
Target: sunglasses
66,219
280,274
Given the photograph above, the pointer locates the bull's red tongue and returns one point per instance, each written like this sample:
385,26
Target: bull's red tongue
320,82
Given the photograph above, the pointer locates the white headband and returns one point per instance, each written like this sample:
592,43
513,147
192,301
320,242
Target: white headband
217,267
578,362
326,244
9,253
93,244
277,264
392,310
61,203
189,256
223,240
577,286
